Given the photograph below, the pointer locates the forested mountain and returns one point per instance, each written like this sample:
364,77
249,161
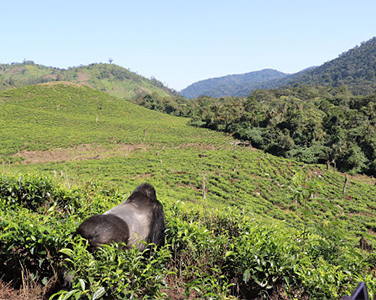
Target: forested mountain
113,79
355,69
231,85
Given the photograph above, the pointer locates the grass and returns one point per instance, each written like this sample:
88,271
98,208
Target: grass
48,116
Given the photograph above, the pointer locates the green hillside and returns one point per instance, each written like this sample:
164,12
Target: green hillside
241,223
41,117
354,68
113,79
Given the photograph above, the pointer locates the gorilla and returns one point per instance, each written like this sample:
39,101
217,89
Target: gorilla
137,220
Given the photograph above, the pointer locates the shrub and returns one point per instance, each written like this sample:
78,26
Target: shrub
114,273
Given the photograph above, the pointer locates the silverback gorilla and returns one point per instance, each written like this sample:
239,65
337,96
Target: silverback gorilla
139,218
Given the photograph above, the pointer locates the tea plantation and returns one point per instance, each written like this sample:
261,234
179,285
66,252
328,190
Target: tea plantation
241,224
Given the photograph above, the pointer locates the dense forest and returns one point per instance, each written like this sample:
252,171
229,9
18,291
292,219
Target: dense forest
310,124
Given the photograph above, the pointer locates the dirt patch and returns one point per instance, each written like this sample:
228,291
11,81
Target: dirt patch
143,176
51,76
144,90
199,146
33,292
82,76
77,153
16,70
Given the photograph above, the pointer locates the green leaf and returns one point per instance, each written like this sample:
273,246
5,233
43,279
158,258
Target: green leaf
99,293
67,295
247,275
67,251
82,283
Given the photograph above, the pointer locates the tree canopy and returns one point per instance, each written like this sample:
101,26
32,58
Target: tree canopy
311,124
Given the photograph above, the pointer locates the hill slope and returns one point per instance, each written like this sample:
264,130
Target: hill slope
113,79
63,114
234,215
231,85
355,68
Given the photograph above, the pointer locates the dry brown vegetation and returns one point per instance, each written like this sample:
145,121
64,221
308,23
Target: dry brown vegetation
80,152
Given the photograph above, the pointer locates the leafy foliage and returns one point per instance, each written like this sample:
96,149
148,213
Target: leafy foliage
113,273
311,124
220,254
36,193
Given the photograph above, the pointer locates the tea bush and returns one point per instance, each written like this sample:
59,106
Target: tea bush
113,273
36,193
209,252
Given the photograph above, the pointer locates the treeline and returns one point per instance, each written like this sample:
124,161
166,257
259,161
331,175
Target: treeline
174,105
311,124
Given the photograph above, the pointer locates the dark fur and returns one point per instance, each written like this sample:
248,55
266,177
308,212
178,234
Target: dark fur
128,220
104,229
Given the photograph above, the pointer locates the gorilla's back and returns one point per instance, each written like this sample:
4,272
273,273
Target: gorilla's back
138,221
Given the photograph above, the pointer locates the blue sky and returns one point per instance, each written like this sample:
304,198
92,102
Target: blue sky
181,42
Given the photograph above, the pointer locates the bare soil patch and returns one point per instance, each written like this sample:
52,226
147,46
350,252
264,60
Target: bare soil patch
82,76
32,292
91,151
199,146
77,153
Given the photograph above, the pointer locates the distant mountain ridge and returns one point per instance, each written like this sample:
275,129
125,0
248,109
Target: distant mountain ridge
355,68
111,78
232,85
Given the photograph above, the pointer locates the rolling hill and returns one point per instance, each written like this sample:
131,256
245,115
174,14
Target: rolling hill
113,79
65,114
240,223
